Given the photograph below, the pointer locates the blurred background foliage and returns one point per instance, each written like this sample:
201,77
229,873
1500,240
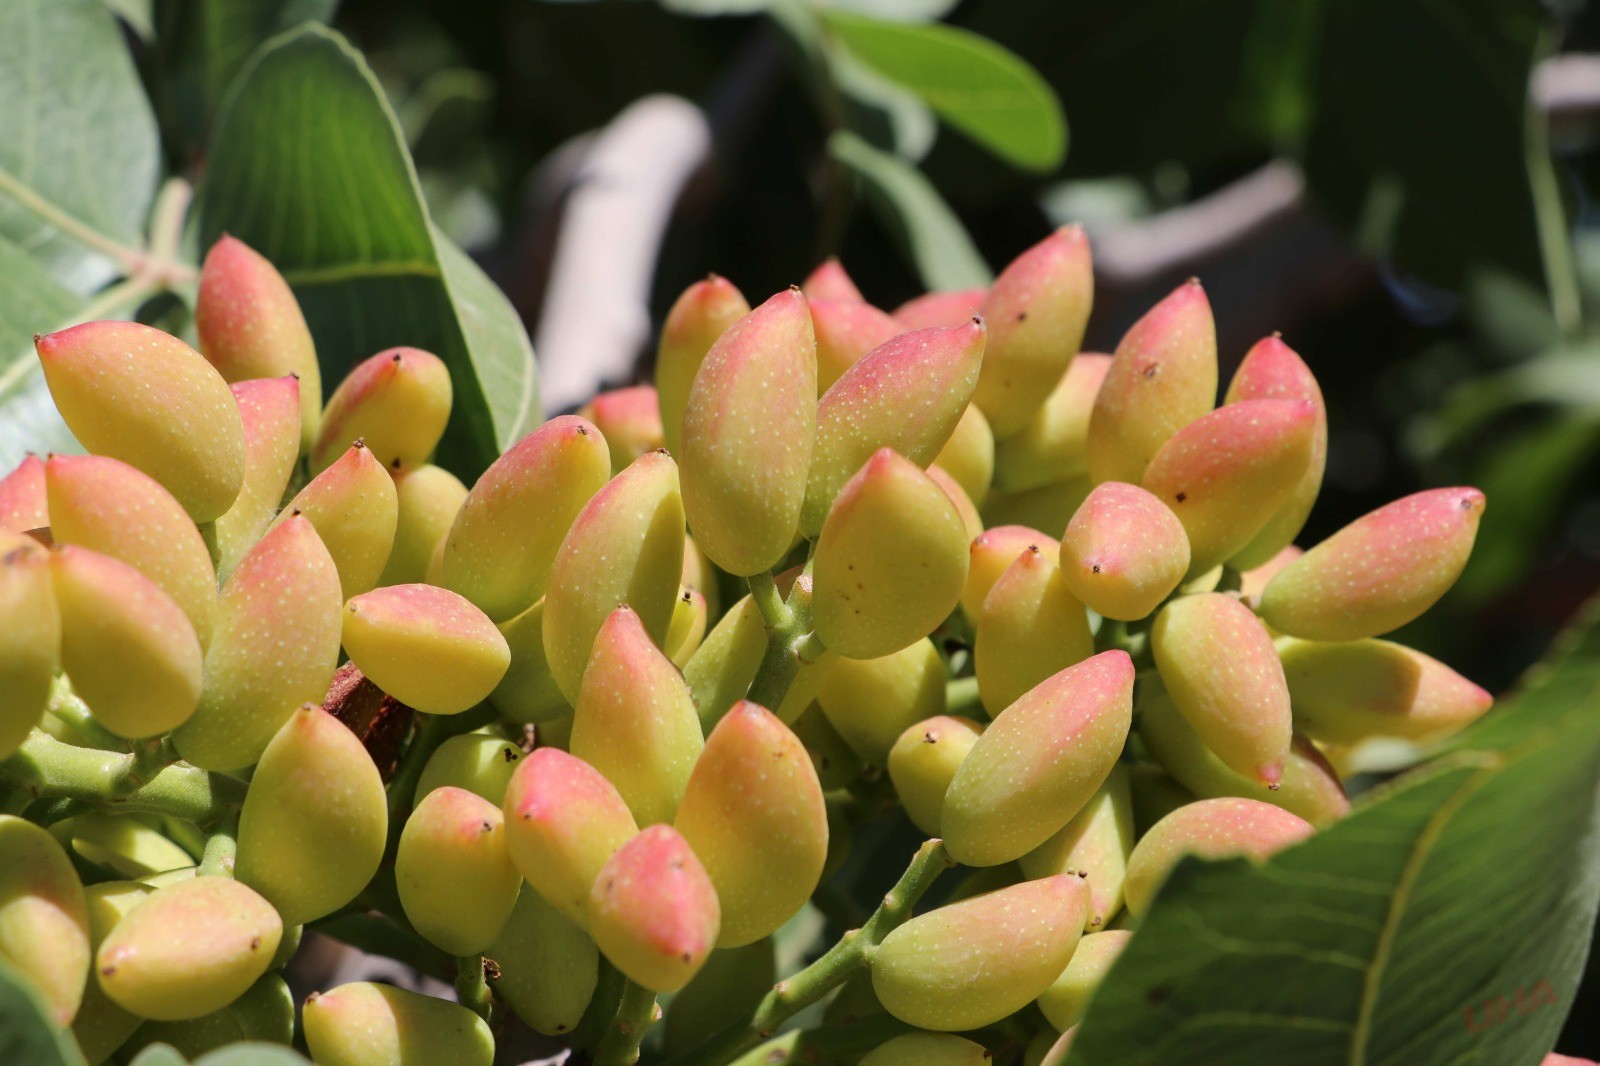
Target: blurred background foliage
1405,188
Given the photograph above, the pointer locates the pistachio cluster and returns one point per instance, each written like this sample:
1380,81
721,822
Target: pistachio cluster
608,718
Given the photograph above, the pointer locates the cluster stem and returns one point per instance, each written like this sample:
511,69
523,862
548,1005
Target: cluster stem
635,1015
853,951
48,768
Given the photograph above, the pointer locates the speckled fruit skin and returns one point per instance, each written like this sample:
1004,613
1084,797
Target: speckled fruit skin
1039,762
270,411
748,429
1379,572
927,1049
1219,666
397,401
453,871
1054,445
30,642
1067,997
363,1024
44,919
924,760
548,965
1095,846
426,646
355,510
23,504
1031,626
1209,829
969,964
696,320
1162,377
1123,552
1347,692
846,330
754,815
653,910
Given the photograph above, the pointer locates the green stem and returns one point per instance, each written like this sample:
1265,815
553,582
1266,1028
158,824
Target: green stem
221,848
855,950
126,257
961,696
472,988
166,234
149,757
764,591
635,1014
67,707
1550,214
45,767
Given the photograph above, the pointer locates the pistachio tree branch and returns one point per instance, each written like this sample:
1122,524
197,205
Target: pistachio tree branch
853,951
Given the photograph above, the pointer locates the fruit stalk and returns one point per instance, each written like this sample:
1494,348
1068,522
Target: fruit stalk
472,988
46,767
853,951
635,1014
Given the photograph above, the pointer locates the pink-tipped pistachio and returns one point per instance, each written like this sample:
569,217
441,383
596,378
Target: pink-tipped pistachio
966,510
477,762
753,813
1379,572
991,555
1344,693
455,878
829,281
1054,445
1036,313
1048,507
110,507
188,949
250,326
1219,666
1273,371
548,966
1163,376
846,330
927,1049
425,646
128,647
891,560
1094,846
1123,552
630,421
687,628
923,762
1310,787
397,401
139,395
44,920
931,309
1030,627
315,819
510,526
969,964
968,456
635,721
1040,762
23,503
1065,1001
701,315
360,1024
355,510
30,639
563,822
653,910
1208,829
906,394
528,692
270,411
1228,472
1252,583
748,431
870,702
626,547
427,499
276,646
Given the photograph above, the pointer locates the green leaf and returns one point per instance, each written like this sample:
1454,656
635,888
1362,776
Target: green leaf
897,10
138,14
934,239
309,167
78,168
205,43
26,1035
1444,921
974,84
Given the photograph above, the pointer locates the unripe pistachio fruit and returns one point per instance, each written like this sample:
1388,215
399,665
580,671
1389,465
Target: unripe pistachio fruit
931,309
1123,552
969,964
454,875
140,395
355,510
44,920
1031,627
425,646
23,504
30,640
700,315
653,910
397,401
1209,829
363,1024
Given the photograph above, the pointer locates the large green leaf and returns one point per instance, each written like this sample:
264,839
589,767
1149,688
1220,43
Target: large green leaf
934,239
310,168
975,85
26,1036
78,168
1446,920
